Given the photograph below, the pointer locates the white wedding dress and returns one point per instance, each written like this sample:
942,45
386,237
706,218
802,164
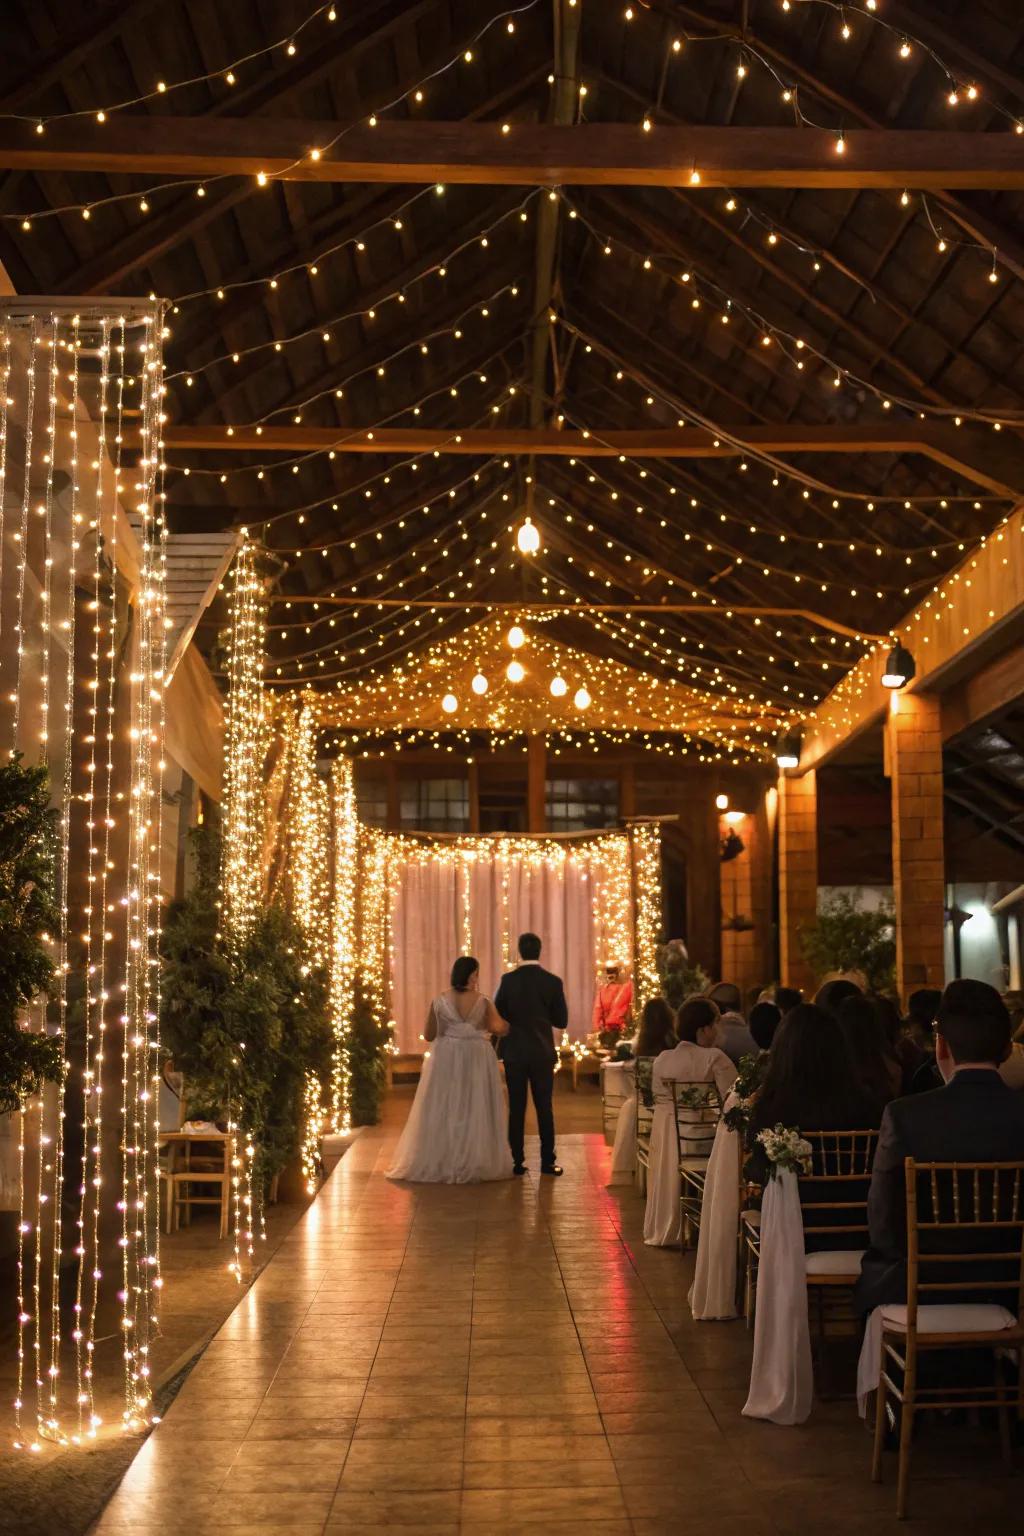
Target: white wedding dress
457,1130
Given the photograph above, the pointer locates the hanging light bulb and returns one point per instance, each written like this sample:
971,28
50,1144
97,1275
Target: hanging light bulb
515,671
516,637
582,699
449,703
479,683
528,538
559,687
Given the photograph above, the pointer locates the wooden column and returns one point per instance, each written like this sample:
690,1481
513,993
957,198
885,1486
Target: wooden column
798,875
473,771
536,784
914,759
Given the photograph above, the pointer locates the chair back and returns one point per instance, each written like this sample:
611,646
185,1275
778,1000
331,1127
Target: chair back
965,1234
834,1194
698,1108
644,1068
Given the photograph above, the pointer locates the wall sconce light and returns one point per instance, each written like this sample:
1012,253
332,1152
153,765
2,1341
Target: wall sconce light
900,668
787,752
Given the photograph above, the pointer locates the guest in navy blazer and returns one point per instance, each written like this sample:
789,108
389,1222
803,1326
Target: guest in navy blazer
973,1118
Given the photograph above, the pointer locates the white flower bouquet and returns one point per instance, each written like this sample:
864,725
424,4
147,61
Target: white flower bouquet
786,1148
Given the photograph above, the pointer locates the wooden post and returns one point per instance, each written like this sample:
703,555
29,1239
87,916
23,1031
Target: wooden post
798,875
536,784
914,756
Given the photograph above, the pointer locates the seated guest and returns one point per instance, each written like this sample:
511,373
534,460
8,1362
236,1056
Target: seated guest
831,993
787,998
656,1034
907,1052
810,1085
725,996
874,1064
922,1007
765,1019
734,1038
694,1060
974,1117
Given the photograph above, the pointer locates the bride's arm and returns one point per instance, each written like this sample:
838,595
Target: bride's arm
430,1028
493,1020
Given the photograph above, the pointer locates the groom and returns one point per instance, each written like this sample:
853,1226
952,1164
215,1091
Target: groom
533,1002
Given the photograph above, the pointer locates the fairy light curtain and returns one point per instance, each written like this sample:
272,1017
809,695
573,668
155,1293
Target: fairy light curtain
591,900
82,662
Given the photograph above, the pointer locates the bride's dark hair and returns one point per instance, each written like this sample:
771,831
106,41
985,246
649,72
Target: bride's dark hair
462,970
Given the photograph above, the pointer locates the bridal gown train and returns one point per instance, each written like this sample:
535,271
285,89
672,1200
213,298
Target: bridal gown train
457,1130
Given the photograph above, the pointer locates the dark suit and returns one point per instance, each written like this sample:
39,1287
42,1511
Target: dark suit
533,1001
975,1118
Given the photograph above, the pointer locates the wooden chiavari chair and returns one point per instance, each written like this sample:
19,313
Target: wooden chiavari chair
833,1205
644,1119
697,1108
965,1246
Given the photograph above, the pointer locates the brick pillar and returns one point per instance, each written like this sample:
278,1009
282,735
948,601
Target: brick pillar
914,743
536,783
798,875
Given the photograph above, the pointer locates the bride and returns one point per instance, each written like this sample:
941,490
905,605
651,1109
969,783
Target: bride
456,1132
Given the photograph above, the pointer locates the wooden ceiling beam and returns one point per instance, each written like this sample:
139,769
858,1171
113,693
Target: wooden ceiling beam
593,154
966,452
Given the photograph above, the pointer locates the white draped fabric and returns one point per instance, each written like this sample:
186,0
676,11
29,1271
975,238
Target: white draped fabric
449,902
713,1293
781,1373
624,1148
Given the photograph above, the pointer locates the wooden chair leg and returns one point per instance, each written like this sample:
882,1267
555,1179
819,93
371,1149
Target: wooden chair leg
1003,1414
906,1437
224,1207
169,1205
879,1445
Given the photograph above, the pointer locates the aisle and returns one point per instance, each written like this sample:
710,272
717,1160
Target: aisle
496,1359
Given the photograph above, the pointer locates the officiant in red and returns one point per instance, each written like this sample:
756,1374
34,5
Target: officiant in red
613,1005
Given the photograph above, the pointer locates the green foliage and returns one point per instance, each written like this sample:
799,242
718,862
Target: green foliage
369,1037
679,979
243,1026
28,911
847,938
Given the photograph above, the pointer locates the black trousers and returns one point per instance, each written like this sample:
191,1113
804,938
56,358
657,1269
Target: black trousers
540,1076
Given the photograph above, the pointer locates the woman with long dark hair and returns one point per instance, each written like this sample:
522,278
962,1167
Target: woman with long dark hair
656,1034
456,1132
875,1065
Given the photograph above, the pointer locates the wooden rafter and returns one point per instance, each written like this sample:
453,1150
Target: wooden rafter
593,154
967,452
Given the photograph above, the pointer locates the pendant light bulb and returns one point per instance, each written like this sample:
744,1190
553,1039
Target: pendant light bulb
479,684
449,703
582,699
516,637
559,687
528,538
515,672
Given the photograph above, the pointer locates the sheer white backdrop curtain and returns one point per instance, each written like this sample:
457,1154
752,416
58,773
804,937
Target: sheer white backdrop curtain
450,903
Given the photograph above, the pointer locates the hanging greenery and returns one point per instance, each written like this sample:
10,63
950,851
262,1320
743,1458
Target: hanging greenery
845,937
28,914
243,1025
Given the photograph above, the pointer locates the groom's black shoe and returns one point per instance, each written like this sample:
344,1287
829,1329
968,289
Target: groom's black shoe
553,1171
519,1169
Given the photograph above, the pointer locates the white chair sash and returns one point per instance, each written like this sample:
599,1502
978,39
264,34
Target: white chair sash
781,1374
713,1293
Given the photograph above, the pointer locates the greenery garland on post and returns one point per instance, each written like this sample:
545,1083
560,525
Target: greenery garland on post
28,915
242,1024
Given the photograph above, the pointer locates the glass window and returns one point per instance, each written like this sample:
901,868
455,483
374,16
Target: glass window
582,805
371,800
435,805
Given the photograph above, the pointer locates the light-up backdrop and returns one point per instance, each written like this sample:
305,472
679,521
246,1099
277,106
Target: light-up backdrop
82,676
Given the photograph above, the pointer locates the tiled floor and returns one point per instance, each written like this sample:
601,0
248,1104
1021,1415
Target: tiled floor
501,1359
